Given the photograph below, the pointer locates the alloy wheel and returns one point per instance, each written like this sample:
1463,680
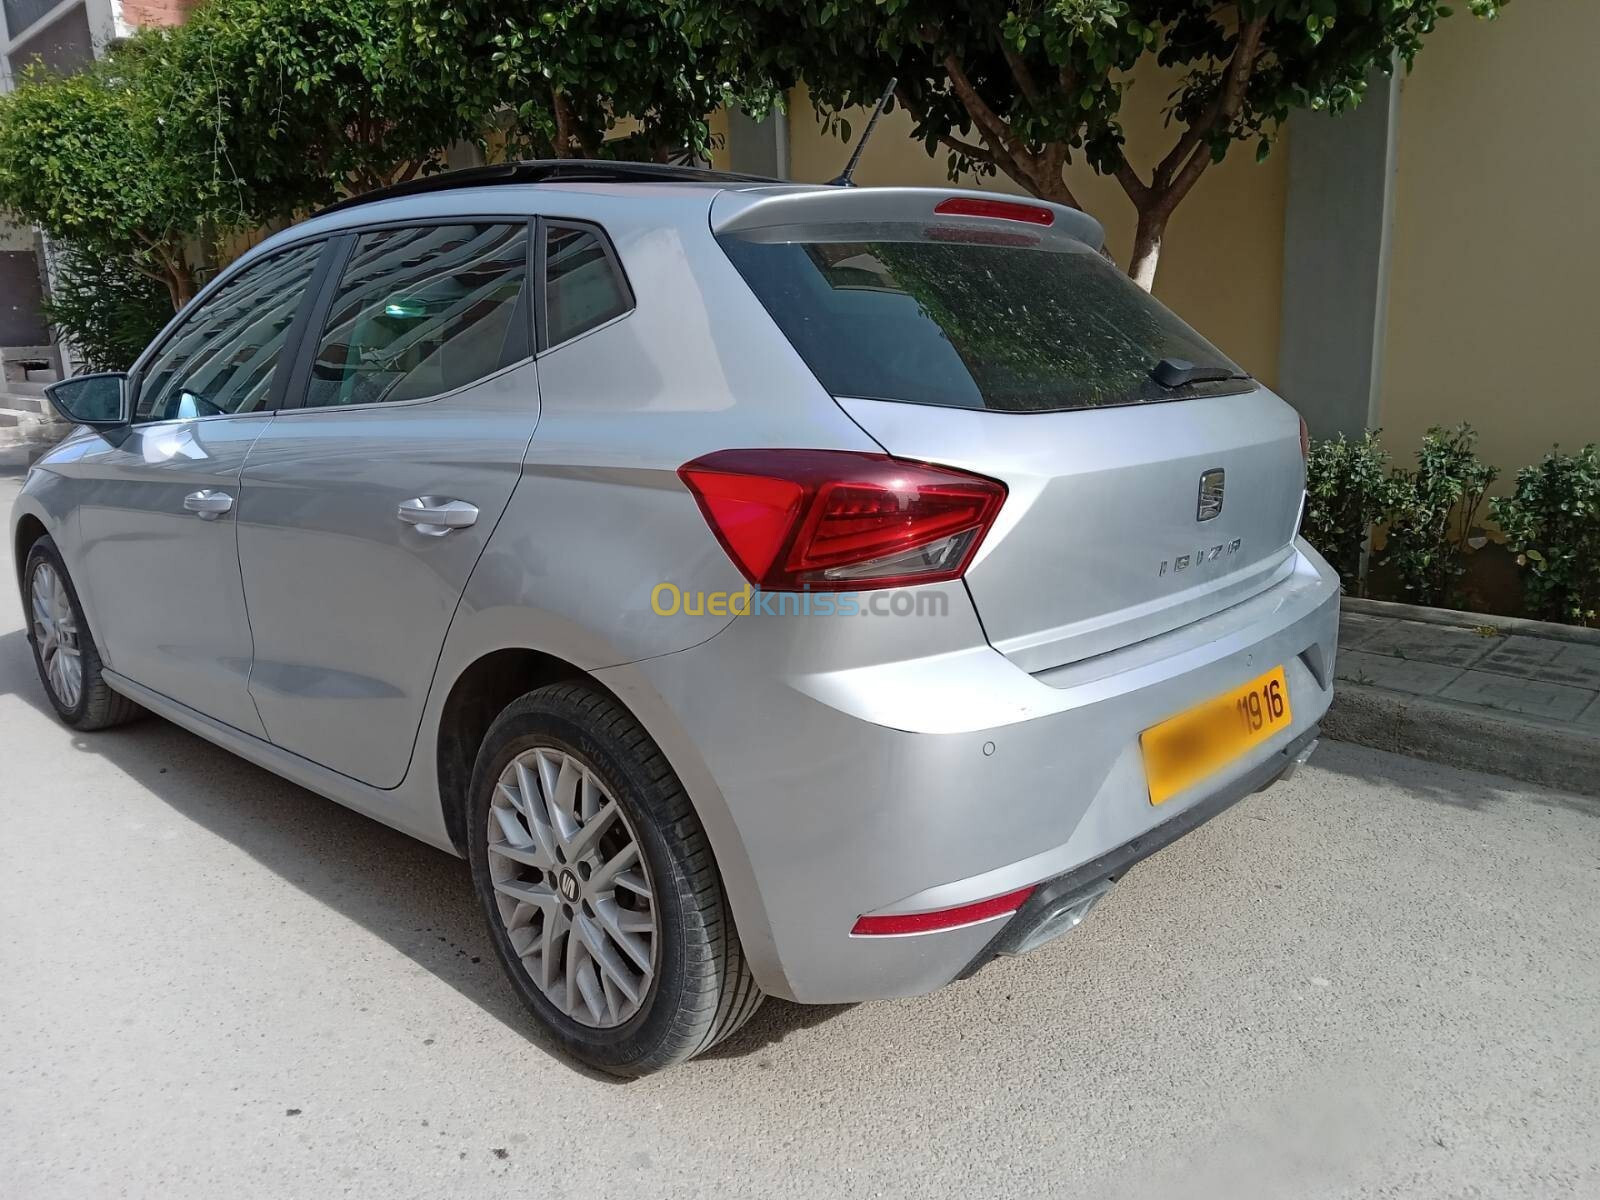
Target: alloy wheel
55,631
572,888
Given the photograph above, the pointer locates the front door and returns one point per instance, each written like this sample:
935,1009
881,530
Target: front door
157,532
368,504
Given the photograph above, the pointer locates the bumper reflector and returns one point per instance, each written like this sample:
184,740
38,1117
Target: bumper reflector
942,918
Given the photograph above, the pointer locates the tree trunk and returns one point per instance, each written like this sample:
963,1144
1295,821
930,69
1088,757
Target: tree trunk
1147,237
180,285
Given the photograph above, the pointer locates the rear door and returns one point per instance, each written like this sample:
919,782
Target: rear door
368,502
1134,507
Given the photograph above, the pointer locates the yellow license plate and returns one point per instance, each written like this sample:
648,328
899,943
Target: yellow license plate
1183,750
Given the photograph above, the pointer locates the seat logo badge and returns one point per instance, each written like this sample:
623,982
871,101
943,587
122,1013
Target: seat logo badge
569,886
1210,495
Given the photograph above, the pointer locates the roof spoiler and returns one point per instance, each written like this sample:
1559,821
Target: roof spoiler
742,209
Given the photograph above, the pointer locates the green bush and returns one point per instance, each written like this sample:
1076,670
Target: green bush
1552,522
1348,491
106,307
1432,513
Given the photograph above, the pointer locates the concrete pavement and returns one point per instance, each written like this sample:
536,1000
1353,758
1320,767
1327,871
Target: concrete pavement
1381,979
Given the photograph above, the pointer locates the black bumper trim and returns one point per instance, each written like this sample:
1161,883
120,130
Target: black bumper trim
1054,894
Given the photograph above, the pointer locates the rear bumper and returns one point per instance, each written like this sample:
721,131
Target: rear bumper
1058,905
847,766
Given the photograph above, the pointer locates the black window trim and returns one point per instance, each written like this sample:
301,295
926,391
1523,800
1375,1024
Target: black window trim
542,316
288,357
298,385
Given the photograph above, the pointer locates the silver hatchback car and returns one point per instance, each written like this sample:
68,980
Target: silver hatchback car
769,589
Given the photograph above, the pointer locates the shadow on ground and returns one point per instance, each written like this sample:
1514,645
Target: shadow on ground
1453,787
417,899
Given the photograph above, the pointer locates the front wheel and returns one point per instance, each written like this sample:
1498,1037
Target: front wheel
64,649
603,900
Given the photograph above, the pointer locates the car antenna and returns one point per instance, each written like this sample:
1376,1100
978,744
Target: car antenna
844,179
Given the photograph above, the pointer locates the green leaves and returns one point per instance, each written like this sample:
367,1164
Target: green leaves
1552,523
1348,491
1433,513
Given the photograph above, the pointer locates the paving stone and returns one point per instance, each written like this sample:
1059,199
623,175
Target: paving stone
1527,696
1355,628
1545,659
1444,644
1396,674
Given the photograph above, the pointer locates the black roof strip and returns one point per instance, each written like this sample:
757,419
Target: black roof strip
550,170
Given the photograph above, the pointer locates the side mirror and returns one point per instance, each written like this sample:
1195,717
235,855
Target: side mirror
99,401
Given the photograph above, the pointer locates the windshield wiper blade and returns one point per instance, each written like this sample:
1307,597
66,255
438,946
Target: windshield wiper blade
1175,372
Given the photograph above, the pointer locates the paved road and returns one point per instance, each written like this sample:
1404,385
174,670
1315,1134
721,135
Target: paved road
1381,979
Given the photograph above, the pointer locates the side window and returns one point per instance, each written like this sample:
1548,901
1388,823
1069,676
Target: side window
422,311
221,359
582,285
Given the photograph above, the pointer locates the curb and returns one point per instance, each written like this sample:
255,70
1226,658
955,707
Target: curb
1458,736
1469,620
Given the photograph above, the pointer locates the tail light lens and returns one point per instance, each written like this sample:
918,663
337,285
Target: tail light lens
1305,441
836,520
1005,210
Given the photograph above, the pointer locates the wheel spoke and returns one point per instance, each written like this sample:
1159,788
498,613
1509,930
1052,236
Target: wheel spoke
531,806
606,874
608,917
583,841
561,782
527,893
556,926
634,882
607,959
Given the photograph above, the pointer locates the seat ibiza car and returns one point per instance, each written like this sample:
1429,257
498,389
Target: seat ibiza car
769,589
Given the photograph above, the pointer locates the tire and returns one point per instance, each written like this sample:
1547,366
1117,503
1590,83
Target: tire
700,989
94,705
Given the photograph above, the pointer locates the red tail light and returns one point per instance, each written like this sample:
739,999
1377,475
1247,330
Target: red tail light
835,520
1005,210
943,918
1305,441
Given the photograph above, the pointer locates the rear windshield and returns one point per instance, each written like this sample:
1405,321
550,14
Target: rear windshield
938,316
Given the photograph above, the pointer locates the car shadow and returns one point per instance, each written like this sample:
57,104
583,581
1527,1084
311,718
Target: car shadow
1452,787
416,898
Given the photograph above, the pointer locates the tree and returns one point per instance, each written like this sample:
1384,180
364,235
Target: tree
1025,86
91,159
566,74
303,101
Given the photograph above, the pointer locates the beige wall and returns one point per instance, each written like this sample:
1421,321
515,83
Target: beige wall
1222,268
1492,311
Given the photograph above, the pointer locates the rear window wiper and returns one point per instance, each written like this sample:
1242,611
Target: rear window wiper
1176,372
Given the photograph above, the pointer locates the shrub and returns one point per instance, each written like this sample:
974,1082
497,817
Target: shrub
1348,490
1552,522
105,307
1433,510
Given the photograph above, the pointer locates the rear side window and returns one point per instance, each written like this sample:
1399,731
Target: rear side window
583,286
419,312
221,359
968,319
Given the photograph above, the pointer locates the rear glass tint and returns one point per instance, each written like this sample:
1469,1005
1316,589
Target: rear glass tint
945,318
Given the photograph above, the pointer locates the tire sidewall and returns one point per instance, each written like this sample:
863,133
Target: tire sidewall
545,722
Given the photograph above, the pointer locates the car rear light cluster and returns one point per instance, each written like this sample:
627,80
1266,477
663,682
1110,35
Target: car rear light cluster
1305,441
837,520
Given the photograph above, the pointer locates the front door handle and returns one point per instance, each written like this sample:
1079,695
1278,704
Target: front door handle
437,515
207,504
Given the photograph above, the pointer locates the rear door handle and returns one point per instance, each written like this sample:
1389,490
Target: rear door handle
437,515
208,505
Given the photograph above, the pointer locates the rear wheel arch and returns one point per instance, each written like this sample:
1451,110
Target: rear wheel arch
29,530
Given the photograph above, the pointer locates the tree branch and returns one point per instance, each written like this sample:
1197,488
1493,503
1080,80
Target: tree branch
1010,154
1020,71
971,149
1190,150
